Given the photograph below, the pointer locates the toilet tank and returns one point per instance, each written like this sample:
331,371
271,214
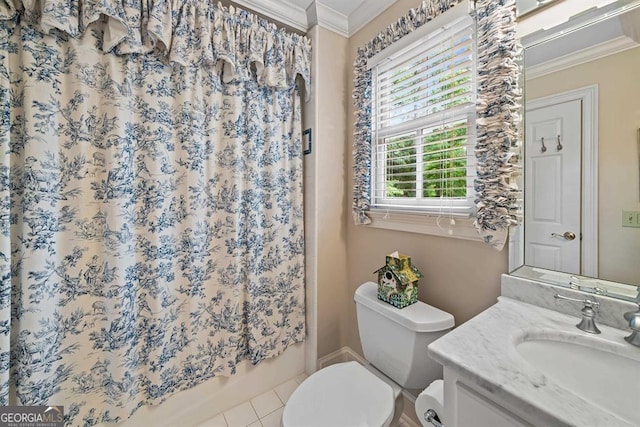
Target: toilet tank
395,340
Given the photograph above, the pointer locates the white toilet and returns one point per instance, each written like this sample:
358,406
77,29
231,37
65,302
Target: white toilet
395,342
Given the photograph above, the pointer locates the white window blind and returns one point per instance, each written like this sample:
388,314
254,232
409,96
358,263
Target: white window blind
423,120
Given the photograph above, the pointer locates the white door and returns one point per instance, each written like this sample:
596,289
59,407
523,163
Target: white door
552,186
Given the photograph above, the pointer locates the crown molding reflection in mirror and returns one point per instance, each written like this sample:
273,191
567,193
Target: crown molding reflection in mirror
598,46
582,56
527,7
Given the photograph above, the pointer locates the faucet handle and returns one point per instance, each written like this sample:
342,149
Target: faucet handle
587,324
587,302
633,317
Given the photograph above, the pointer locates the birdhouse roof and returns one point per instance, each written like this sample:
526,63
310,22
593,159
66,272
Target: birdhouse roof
401,266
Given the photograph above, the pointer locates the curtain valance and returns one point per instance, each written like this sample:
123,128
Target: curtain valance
498,106
414,19
186,32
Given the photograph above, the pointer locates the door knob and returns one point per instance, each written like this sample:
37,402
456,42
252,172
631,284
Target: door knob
567,235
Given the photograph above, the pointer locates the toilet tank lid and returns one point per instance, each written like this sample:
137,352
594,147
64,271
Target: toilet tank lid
419,317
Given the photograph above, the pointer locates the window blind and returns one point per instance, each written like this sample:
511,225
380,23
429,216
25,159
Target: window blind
424,123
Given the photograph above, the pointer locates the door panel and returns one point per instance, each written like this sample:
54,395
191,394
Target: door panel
552,186
546,197
549,256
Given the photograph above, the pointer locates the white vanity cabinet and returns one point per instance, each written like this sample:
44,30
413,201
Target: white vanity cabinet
489,383
469,406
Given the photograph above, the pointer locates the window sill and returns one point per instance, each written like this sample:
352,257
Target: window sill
424,223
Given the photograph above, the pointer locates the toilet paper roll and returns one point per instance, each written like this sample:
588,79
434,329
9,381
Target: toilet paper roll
431,397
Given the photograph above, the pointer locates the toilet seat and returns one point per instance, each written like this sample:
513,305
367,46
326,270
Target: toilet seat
345,394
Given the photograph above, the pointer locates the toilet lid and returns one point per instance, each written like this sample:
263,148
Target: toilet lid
346,394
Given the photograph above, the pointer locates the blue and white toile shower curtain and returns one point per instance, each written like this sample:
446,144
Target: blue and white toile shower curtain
151,222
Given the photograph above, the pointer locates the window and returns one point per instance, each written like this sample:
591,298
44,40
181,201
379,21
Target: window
423,122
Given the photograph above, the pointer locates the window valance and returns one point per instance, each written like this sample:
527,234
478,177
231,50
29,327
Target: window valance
186,32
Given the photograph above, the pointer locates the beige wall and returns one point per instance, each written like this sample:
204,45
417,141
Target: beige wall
328,185
461,277
309,119
618,168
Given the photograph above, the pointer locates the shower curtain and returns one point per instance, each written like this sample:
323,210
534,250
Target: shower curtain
151,221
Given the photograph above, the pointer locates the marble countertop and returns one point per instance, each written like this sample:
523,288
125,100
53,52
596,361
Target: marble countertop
483,350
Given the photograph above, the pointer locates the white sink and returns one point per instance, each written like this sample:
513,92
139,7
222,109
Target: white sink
609,380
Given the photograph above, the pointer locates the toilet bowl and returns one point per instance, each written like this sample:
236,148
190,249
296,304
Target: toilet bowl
345,394
394,341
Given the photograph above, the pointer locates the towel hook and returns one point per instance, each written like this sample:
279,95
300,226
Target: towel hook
559,146
544,148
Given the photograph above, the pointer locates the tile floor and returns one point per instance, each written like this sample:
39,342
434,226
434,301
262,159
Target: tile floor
265,410
261,411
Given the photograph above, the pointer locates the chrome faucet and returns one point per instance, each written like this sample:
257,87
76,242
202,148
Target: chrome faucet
633,317
588,322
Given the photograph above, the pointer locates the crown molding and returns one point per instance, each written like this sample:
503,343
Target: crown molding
366,13
318,14
286,13
601,50
324,16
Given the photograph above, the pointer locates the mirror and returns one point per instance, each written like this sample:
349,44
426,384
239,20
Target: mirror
582,152
528,6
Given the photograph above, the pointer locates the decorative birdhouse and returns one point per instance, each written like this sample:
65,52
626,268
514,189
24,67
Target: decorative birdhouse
398,281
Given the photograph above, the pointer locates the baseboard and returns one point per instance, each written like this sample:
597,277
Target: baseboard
345,354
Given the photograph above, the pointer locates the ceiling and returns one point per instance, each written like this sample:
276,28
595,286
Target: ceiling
342,16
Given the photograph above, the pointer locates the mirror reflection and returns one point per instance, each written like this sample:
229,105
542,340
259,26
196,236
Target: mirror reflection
527,6
582,151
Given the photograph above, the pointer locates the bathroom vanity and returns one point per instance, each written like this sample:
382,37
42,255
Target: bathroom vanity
523,362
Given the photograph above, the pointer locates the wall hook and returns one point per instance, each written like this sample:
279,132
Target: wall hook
544,148
559,146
